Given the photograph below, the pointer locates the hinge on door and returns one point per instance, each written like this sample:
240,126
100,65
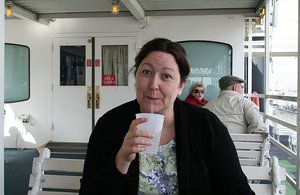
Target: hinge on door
52,126
52,87
52,47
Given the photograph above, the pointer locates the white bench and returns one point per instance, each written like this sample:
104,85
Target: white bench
252,149
55,176
268,180
47,175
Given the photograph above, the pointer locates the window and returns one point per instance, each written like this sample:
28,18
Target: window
115,65
72,65
16,73
209,62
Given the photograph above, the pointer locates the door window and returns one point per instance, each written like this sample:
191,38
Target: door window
115,65
72,65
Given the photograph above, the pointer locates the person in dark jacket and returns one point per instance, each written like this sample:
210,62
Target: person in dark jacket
196,154
196,95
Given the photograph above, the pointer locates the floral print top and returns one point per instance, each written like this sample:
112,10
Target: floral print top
158,173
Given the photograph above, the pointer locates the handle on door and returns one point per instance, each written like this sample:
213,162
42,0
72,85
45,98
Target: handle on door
89,96
97,96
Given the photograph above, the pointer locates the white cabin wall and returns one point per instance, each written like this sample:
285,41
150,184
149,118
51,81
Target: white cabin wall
228,29
17,134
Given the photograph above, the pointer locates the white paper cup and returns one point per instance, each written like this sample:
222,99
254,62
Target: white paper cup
154,124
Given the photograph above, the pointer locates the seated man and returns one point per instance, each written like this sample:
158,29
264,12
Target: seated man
238,114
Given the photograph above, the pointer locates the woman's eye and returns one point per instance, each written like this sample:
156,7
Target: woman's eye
167,76
146,72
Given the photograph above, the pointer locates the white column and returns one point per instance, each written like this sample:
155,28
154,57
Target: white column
1,97
267,52
249,82
298,115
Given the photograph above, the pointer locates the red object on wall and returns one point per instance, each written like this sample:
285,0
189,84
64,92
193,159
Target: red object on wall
88,62
97,62
108,80
255,99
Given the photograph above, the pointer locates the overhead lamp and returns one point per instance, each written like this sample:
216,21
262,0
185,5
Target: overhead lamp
262,14
115,7
8,10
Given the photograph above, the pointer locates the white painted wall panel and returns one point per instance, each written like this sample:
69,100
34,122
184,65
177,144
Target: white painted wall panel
228,29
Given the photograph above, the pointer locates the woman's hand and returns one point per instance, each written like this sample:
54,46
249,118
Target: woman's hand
134,141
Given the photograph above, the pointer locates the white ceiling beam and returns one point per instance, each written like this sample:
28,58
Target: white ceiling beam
22,13
135,8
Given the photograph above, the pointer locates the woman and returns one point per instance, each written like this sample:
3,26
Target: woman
196,94
197,155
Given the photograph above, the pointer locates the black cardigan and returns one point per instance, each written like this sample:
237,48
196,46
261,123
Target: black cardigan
207,162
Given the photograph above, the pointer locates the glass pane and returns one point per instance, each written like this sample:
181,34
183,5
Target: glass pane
283,110
114,65
72,65
209,62
283,76
16,69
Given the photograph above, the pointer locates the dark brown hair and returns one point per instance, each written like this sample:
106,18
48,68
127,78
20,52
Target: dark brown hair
167,46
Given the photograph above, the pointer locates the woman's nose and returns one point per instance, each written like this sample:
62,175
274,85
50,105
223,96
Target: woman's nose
154,82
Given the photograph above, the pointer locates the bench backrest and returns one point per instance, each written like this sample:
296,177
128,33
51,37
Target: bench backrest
57,176
62,177
263,180
252,149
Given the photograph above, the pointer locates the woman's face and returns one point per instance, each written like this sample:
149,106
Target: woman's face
158,83
198,93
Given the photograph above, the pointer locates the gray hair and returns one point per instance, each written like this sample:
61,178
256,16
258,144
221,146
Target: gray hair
194,85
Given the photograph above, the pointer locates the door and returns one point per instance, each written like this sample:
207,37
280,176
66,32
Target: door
71,76
72,115
117,57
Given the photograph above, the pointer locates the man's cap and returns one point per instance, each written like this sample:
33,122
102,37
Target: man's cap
229,80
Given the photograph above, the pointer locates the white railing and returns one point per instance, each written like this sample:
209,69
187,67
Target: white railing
283,128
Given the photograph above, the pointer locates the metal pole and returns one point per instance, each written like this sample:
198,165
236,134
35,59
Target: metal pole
93,83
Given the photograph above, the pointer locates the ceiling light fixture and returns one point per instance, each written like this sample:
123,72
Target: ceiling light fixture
8,10
115,7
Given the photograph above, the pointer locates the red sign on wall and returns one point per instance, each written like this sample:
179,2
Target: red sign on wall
97,62
88,62
108,80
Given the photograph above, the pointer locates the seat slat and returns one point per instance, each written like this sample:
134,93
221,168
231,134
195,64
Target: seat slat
57,193
60,182
265,189
263,173
64,165
248,137
248,145
248,154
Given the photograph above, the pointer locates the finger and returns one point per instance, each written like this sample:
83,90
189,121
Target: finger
144,134
138,148
136,122
141,142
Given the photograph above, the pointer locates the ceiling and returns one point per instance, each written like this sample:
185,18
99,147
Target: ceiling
140,9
